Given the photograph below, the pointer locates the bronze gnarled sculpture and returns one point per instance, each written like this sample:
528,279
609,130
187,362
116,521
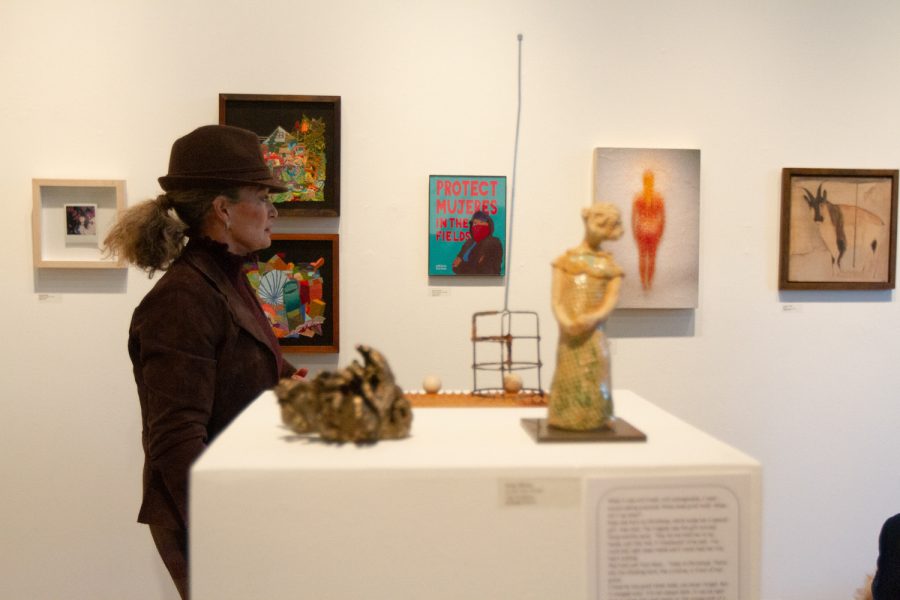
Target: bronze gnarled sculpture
586,284
361,403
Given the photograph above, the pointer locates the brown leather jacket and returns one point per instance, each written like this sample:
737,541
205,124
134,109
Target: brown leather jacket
200,356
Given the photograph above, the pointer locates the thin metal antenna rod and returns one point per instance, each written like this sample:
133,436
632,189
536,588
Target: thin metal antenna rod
512,193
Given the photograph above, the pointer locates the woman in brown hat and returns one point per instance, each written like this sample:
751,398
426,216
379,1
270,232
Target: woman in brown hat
201,347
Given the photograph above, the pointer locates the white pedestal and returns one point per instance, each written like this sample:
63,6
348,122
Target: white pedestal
471,507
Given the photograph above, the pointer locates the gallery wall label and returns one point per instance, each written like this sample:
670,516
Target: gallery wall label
680,538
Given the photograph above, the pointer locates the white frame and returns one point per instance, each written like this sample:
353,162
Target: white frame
48,221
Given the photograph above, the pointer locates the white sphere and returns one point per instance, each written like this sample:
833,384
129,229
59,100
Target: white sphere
431,384
512,383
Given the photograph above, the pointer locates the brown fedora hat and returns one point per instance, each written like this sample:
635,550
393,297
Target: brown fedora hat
216,156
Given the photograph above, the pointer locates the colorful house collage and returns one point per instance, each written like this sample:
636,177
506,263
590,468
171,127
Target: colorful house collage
298,159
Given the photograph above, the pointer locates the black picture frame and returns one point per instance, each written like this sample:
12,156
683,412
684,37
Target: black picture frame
264,114
303,250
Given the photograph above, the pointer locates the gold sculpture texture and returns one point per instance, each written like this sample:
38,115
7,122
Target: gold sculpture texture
361,403
586,283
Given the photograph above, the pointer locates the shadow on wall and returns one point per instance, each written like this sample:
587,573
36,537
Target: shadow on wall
80,281
315,363
835,296
640,323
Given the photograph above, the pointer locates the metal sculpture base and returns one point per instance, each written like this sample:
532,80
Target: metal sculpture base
496,337
618,430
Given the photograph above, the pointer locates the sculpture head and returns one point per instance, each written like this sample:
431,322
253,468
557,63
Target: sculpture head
602,222
648,182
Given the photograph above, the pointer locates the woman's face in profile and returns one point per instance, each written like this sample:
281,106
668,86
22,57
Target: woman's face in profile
251,221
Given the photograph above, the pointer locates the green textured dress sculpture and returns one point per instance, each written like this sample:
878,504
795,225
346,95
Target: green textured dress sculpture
586,283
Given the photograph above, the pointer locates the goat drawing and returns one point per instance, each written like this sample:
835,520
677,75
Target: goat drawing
852,235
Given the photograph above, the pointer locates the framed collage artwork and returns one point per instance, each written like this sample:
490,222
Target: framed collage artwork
296,283
300,137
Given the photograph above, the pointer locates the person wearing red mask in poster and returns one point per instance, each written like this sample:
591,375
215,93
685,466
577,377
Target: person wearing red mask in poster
482,253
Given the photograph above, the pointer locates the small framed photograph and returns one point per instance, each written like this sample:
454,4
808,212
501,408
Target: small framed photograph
296,283
70,218
838,229
300,137
81,224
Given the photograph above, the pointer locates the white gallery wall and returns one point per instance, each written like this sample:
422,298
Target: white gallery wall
805,381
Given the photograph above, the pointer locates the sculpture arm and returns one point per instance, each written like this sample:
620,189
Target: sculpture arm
635,210
565,322
610,299
662,215
588,321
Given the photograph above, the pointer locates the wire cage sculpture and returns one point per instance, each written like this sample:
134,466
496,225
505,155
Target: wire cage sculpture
501,337
505,344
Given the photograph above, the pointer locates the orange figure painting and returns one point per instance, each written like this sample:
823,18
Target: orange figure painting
657,191
648,221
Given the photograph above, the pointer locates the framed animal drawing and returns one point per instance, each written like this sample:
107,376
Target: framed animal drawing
838,229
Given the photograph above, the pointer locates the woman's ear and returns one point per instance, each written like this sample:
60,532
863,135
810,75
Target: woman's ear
220,208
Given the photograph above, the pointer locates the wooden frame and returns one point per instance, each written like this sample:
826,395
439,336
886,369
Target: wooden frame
838,229
296,280
301,139
70,218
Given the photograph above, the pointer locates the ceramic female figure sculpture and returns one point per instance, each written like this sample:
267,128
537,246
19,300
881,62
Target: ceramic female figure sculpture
586,284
